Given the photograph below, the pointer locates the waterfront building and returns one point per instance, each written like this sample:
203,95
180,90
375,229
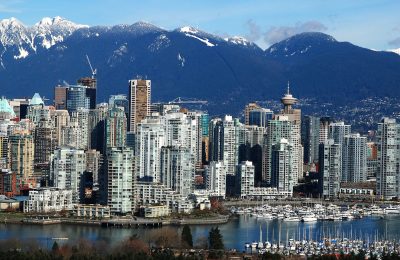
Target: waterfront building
282,166
215,174
330,167
47,200
310,136
66,169
355,158
139,102
120,165
150,138
177,169
387,179
277,129
245,179
337,132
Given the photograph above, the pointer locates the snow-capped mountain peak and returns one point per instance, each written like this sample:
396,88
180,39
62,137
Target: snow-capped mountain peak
20,40
188,29
238,40
397,51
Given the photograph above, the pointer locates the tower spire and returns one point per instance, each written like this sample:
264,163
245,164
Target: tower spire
288,87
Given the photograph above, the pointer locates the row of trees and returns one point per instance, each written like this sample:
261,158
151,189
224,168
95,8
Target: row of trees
215,239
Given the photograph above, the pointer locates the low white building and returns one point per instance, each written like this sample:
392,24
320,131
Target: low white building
45,200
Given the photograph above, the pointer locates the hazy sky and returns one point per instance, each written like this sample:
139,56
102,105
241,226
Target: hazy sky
373,24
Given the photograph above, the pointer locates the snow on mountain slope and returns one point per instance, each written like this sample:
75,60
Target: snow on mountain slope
26,39
395,51
198,35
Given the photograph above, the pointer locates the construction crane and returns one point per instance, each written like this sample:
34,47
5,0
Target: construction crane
94,71
180,100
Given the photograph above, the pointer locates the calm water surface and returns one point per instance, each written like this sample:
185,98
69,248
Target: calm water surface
236,232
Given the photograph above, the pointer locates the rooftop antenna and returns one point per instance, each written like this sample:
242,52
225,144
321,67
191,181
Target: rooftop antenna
288,87
94,71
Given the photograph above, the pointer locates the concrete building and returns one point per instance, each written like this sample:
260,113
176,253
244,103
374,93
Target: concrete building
81,118
139,102
245,179
330,160
310,134
337,132
355,158
150,138
177,169
115,128
46,200
282,166
215,174
120,188
66,169
388,141
21,154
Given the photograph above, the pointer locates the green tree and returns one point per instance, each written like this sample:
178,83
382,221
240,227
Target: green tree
186,237
55,247
215,239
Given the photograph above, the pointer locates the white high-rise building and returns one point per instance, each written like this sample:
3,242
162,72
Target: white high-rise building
230,145
330,169
81,117
59,118
66,168
355,158
245,179
120,173
177,169
215,174
277,129
282,166
337,132
388,140
150,138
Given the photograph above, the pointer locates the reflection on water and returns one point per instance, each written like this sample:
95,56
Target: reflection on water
236,232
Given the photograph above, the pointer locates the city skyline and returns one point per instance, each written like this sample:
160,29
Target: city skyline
262,22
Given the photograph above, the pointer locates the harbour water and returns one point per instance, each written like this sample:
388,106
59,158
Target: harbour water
236,232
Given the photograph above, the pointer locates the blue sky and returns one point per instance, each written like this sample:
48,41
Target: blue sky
373,24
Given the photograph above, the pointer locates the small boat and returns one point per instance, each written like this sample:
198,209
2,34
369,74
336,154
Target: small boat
291,219
309,218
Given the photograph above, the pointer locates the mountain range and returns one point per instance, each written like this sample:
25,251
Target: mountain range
188,62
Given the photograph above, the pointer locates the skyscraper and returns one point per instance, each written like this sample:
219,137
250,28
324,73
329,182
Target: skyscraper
310,138
387,179
66,169
215,174
355,158
260,116
115,128
90,91
177,169
337,132
139,102
60,97
76,98
282,166
120,165
330,169
21,154
45,142
249,107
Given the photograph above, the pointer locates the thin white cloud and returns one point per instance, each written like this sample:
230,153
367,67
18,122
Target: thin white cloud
254,31
276,34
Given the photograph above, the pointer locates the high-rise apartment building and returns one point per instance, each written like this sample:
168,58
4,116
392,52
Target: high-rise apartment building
90,84
330,168
60,97
355,158
66,170
139,102
337,132
244,179
120,165
115,128
215,174
21,150
310,128
282,166
388,140
177,169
